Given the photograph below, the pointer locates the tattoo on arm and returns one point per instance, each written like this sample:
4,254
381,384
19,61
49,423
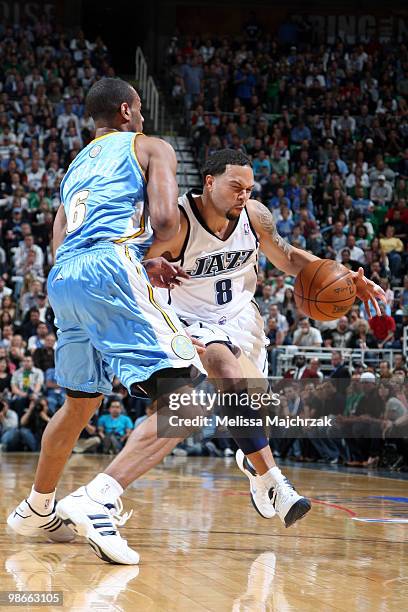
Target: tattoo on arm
267,223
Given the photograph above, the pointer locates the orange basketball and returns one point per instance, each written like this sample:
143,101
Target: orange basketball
325,290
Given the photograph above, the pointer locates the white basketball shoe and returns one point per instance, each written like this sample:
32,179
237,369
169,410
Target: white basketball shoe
259,493
25,521
282,499
98,523
289,505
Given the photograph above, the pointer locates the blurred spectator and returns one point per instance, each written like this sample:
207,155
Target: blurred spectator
361,338
383,327
26,384
89,440
43,355
306,335
266,300
341,335
300,369
53,392
381,191
9,434
114,428
339,368
33,423
384,370
392,247
5,377
38,340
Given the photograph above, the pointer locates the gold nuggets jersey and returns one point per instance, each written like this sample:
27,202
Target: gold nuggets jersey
222,272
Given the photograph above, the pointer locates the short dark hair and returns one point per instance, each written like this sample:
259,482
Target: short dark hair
217,162
105,97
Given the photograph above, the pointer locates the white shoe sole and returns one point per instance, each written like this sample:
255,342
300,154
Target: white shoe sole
241,460
84,527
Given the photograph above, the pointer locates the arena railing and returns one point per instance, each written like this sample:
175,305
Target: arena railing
283,356
147,87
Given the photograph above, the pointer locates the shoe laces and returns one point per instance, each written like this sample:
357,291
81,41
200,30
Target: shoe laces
115,510
283,492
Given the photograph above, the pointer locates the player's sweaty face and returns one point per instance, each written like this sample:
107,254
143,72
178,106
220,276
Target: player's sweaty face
232,190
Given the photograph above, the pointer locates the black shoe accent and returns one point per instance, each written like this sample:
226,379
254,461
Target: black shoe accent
55,528
297,511
20,515
51,523
38,514
247,466
94,517
99,552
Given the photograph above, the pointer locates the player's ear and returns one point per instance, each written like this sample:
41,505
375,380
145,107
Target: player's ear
125,111
209,182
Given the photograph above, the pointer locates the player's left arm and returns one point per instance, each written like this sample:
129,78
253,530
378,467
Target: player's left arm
291,260
280,253
59,229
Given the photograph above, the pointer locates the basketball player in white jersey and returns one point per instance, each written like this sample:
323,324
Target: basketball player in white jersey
217,245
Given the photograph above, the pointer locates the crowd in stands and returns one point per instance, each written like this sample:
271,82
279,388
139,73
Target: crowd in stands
44,77
326,130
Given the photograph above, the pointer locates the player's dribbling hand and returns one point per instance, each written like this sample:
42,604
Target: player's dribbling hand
164,274
368,292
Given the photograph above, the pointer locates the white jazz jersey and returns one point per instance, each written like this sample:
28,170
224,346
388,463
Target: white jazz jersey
222,273
217,302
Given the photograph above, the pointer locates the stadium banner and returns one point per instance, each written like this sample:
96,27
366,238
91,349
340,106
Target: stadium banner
325,24
14,12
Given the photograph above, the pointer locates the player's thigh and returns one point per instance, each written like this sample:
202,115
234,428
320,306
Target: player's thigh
247,332
78,364
137,333
220,357
220,362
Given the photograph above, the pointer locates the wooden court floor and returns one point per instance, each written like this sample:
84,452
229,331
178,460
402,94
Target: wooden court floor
204,548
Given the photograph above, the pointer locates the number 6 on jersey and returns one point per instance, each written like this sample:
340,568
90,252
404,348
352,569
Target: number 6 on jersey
77,210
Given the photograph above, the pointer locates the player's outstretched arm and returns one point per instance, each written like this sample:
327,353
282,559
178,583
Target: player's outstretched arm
162,189
291,260
163,273
59,229
170,249
287,258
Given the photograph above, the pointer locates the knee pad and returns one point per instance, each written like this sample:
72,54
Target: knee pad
250,438
166,381
79,394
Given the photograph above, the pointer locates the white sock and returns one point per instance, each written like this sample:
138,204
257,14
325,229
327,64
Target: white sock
272,477
43,503
104,489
